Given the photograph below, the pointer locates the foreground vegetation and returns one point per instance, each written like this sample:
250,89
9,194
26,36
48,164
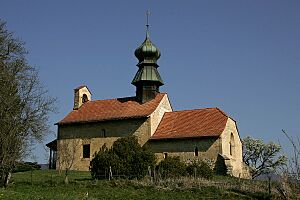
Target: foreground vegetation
25,104
48,184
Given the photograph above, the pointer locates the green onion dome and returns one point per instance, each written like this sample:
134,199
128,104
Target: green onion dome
147,52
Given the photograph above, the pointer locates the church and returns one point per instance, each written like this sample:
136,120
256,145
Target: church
200,134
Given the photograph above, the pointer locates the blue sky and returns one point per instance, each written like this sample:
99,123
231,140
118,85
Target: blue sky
240,56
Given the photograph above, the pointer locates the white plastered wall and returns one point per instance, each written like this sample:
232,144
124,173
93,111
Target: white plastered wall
230,137
157,115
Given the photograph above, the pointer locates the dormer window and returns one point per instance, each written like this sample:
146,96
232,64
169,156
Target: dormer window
84,98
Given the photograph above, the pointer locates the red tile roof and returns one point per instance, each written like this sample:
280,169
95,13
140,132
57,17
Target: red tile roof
191,123
113,109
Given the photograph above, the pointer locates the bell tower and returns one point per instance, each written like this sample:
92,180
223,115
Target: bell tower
147,79
81,95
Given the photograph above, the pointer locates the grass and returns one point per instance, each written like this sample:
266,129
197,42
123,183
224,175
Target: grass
48,184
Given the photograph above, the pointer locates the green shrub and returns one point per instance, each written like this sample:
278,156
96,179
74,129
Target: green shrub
172,167
99,165
26,166
126,158
134,159
200,169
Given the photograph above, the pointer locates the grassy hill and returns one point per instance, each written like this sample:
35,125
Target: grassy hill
48,184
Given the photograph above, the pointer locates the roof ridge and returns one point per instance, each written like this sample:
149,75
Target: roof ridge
79,87
112,99
120,98
197,109
221,111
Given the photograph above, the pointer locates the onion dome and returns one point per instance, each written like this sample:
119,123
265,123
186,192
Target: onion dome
147,79
147,52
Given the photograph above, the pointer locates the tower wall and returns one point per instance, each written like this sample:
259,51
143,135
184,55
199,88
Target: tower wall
81,95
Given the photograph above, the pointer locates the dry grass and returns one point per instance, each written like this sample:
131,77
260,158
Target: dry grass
252,188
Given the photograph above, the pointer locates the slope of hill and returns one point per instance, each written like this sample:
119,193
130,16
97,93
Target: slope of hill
47,184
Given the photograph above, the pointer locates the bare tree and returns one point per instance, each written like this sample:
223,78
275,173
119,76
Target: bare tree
68,150
288,186
24,104
260,157
293,168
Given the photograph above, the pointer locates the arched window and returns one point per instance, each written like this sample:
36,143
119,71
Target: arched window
196,151
84,98
231,145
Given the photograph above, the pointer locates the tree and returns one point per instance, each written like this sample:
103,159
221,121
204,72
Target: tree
126,157
293,168
260,157
24,104
68,150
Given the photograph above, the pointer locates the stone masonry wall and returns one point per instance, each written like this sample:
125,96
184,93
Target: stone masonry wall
116,128
78,97
230,137
208,148
92,133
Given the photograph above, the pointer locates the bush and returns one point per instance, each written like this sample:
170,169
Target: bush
99,166
26,166
172,167
126,158
134,160
200,169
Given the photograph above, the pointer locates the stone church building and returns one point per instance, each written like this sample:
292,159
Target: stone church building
208,134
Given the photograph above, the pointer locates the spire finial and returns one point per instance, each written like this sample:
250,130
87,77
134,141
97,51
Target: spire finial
147,25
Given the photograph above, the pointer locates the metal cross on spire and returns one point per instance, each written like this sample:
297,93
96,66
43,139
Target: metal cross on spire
147,25
147,14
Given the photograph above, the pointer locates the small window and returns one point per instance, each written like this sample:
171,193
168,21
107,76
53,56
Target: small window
196,151
84,98
165,155
231,145
103,133
86,151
